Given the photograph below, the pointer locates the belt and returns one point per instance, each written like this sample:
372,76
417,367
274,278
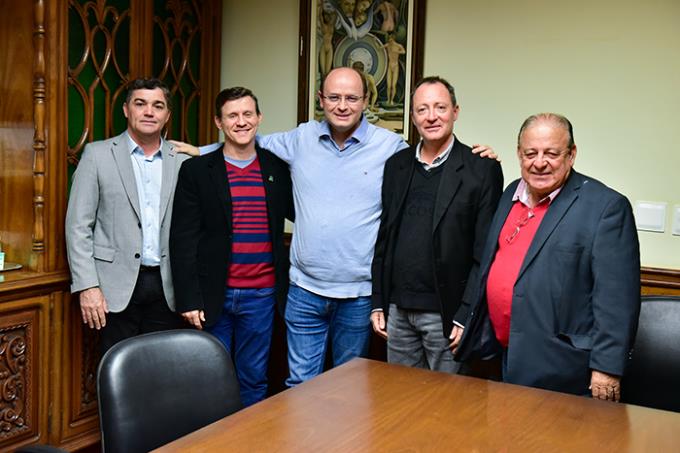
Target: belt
144,268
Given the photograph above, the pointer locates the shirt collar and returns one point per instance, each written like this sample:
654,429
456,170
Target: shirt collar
437,161
358,135
132,146
522,194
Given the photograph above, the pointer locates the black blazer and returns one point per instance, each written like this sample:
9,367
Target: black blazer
201,230
576,301
468,193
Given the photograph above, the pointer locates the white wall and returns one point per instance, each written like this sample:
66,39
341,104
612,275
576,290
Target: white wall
259,51
611,66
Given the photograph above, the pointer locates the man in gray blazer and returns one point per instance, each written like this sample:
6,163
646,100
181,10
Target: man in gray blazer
118,222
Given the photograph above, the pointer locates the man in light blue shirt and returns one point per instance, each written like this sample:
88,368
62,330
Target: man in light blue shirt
337,168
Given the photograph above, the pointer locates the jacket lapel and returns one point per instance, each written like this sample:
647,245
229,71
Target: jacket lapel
558,208
449,184
403,176
218,173
169,158
121,155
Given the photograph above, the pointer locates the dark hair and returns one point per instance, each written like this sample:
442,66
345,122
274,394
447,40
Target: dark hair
232,94
432,80
555,118
148,84
364,84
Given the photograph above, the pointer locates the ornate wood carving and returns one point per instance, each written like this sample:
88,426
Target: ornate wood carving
98,78
179,63
19,386
13,381
88,371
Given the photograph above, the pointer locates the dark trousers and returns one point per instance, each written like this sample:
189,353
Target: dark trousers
147,311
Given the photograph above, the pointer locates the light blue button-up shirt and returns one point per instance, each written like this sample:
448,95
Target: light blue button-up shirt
148,178
337,195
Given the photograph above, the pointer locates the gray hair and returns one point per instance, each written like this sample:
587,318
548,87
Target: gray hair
555,118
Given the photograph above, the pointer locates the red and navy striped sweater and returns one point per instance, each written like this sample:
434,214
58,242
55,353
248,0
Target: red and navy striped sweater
251,264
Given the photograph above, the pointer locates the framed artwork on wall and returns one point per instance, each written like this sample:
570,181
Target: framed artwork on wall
381,38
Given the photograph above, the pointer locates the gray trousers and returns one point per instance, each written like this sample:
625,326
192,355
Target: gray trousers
415,338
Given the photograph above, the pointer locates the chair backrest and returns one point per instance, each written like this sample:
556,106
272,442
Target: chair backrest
653,374
158,387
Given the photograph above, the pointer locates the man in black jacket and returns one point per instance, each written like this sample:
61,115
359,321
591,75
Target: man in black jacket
229,263
438,201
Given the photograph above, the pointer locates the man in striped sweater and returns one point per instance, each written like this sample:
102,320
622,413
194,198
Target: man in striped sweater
229,263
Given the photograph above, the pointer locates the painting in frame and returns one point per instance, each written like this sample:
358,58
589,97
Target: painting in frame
381,38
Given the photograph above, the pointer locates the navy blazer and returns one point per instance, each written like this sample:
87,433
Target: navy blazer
576,301
466,200
201,231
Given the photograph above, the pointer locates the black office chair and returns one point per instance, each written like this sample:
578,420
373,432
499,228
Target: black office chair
653,374
160,386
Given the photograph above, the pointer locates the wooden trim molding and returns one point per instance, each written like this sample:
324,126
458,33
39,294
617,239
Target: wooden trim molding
660,281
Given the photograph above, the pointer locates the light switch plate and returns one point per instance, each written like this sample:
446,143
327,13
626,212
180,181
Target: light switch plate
676,220
650,215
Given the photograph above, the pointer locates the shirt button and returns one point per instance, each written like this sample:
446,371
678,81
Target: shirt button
137,255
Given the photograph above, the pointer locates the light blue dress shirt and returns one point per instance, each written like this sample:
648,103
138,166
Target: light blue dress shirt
337,195
148,178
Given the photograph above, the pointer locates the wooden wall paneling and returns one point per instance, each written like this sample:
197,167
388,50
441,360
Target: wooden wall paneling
24,336
141,38
39,131
177,61
99,65
75,393
16,133
56,134
211,39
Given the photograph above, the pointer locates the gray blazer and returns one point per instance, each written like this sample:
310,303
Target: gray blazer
103,222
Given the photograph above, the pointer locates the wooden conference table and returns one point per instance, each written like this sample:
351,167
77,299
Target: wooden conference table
366,405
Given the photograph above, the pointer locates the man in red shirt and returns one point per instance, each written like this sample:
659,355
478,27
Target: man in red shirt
557,292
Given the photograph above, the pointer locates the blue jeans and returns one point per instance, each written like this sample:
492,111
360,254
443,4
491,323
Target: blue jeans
310,319
246,324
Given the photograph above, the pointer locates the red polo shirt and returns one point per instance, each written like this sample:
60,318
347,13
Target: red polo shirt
513,243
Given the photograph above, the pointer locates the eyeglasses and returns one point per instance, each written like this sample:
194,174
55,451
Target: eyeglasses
549,155
350,99
519,224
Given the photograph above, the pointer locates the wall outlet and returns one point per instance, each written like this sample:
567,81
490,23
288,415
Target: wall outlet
676,220
650,216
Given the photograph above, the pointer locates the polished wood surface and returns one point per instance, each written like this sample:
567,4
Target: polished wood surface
366,405
16,132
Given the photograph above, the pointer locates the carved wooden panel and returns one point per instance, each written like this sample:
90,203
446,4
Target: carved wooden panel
23,391
89,352
77,393
98,46
177,61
